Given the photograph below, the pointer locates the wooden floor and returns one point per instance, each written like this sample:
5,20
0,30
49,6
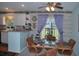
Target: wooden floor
3,47
4,50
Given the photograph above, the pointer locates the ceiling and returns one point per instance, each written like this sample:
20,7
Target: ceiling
33,6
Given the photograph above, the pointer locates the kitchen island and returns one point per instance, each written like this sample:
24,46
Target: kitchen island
17,40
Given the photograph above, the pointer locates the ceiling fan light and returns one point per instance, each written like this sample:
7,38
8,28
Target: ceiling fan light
52,8
47,8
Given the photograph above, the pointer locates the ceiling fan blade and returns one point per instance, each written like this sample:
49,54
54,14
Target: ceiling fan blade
58,3
41,7
60,7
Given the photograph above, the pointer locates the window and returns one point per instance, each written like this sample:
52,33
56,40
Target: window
50,28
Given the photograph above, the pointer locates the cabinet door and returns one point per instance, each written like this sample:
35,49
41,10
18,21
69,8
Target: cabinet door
14,42
4,37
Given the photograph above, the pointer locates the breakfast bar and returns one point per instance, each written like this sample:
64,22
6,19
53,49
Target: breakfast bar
16,40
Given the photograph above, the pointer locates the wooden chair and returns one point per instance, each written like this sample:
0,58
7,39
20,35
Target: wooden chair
31,45
60,47
69,51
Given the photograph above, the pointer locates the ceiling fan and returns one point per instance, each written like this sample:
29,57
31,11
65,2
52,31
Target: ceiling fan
52,5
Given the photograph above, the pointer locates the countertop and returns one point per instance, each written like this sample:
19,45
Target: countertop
15,30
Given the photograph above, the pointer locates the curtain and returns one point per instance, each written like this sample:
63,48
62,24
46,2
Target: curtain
59,24
42,18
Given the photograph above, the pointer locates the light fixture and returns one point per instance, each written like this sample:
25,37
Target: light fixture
47,8
22,5
6,8
10,17
50,8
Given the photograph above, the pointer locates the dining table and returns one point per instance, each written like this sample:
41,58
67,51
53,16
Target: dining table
44,46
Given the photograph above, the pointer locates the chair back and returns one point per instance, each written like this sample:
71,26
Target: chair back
30,45
30,41
71,43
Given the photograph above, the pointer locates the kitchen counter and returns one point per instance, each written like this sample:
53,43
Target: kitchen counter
16,39
15,30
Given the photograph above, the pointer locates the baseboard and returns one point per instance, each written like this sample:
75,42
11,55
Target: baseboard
23,49
18,51
76,54
14,51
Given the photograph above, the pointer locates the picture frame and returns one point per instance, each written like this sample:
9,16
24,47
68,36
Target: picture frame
34,18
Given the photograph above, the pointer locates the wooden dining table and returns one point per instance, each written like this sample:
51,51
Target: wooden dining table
44,46
57,46
61,47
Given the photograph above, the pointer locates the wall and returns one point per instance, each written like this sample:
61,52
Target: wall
19,19
67,26
75,18
70,25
